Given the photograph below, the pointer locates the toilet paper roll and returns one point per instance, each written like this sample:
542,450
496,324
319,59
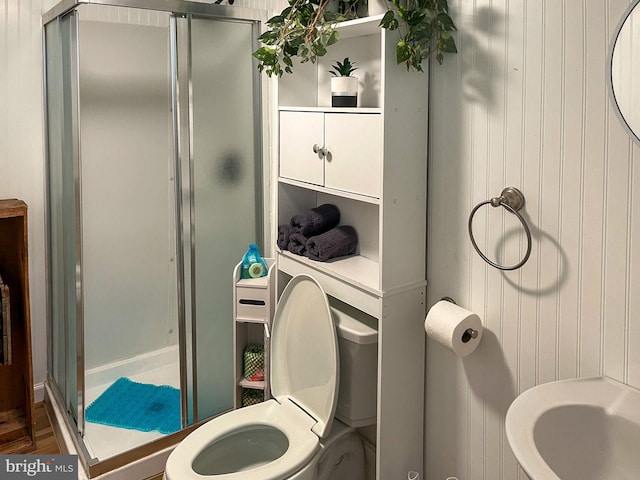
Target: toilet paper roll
453,327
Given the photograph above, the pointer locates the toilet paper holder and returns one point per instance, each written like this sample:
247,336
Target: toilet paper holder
470,333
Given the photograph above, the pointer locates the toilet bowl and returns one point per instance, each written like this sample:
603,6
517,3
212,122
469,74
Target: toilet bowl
294,435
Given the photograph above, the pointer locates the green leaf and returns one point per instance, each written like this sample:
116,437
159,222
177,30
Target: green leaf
448,44
446,22
265,54
277,20
403,12
389,21
324,37
290,48
403,52
332,17
306,14
303,51
414,18
333,37
269,37
318,49
442,5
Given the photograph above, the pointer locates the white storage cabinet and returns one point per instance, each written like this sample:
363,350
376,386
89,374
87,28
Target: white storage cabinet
374,171
254,304
319,148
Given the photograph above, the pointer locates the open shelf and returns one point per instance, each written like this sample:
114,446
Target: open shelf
332,109
359,27
331,191
244,383
355,270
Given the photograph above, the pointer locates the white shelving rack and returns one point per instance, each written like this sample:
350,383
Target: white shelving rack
374,171
254,304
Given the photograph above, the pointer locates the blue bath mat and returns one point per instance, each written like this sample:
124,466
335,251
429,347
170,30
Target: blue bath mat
137,406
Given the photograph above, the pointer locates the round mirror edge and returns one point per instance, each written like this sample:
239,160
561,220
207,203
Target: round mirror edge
612,95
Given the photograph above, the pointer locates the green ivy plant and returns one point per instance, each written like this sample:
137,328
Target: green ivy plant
425,29
306,28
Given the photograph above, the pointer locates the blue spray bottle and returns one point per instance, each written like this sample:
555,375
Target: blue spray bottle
253,265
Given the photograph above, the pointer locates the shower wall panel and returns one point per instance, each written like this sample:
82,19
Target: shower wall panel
127,188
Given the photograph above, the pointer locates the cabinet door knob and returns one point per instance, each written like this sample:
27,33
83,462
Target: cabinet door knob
321,151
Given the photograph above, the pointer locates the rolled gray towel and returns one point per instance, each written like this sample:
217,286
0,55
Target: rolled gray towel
297,243
284,231
316,220
337,242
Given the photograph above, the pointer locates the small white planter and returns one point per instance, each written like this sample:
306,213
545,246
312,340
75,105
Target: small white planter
344,92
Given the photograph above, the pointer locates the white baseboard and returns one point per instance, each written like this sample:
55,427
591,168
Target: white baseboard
106,374
38,392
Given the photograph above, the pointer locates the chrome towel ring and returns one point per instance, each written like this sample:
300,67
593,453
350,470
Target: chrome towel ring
513,200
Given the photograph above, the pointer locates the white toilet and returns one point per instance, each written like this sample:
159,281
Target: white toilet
294,435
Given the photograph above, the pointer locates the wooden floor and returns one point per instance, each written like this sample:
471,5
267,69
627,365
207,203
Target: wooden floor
45,439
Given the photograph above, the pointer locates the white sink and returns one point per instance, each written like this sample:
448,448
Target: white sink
582,429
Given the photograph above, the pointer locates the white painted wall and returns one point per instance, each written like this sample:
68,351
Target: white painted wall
525,104
22,147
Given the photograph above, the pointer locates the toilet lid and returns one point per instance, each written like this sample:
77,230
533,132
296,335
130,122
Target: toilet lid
304,352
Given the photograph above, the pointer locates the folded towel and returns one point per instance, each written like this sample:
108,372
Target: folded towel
316,220
284,231
337,242
297,243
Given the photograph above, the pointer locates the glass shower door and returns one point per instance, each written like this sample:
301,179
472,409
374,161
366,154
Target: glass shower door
224,178
128,225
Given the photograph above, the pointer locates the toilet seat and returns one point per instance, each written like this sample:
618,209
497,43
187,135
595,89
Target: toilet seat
304,383
286,418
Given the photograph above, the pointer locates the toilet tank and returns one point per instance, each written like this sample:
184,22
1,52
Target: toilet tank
358,347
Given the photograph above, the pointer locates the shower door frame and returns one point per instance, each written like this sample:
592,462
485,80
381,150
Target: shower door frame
181,12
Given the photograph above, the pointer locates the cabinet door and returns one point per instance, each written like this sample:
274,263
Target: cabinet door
299,132
354,158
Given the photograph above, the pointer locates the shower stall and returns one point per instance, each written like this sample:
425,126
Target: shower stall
157,182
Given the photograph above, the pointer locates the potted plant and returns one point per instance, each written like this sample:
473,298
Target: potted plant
344,87
304,30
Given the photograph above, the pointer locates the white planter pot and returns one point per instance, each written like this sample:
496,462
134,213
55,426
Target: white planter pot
344,92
